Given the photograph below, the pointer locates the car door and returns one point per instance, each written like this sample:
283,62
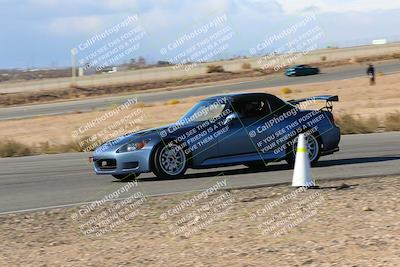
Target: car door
308,70
301,70
272,133
239,141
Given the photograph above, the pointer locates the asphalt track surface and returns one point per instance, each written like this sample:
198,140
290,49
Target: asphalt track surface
338,73
40,182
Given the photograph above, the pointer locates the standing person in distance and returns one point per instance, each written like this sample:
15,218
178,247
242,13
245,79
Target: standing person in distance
371,74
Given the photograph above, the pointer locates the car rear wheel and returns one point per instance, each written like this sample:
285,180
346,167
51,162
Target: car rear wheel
313,148
126,177
169,161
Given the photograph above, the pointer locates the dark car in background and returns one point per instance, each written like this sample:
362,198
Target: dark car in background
301,70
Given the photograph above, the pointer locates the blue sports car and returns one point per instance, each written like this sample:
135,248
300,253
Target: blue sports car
246,128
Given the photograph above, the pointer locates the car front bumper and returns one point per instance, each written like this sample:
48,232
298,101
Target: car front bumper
122,163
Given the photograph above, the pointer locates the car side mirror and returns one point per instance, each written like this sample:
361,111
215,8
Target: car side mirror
230,118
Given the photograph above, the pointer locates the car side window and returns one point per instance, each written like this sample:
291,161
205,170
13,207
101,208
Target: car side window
277,105
252,108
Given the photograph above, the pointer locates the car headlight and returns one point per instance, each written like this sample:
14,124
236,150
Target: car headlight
132,146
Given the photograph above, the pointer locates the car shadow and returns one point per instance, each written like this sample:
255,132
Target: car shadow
334,162
275,167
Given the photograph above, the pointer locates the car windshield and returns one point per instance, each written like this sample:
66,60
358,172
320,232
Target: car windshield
204,110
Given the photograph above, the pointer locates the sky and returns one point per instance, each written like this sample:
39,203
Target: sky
41,33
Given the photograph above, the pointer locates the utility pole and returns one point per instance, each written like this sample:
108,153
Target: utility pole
73,66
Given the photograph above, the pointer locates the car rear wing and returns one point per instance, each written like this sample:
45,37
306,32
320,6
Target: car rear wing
328,98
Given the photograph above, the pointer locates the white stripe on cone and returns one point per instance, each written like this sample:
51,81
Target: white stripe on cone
302,169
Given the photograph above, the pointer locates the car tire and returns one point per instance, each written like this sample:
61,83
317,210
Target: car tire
169,161
126,177
314,146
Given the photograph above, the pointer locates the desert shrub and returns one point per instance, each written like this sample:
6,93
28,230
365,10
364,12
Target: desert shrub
286,90
355,60
11,148
215,69
259,70
353,125
44,147
324,58
392,122
73,146
396,55
113,106
246,66
142,105
173,102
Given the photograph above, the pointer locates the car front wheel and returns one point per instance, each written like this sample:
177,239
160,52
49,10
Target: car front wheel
169,161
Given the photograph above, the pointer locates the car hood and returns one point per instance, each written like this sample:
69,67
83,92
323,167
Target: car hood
157,133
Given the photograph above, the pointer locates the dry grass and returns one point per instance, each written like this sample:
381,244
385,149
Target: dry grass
396,55
359,110
375,58
355,60
47,148
217,74
215,69
142,105
392,122
357,125
79,92
10,148
246,66
349,124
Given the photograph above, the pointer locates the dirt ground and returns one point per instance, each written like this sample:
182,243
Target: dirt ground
356,98
353,222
